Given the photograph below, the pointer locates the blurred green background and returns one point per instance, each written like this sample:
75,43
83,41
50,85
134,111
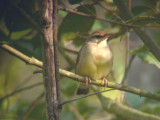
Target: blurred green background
25,92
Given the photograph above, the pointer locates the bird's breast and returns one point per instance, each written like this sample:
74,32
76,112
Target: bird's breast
94,61
101,55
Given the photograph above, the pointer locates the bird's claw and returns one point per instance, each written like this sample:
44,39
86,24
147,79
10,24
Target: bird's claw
88,80
105,82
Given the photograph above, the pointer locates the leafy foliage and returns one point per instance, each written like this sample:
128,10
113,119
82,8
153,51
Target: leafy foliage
144,54
17,31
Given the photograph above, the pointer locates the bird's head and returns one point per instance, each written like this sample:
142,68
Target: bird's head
99,36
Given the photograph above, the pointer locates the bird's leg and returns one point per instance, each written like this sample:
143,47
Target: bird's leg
105,82
88,80
120,96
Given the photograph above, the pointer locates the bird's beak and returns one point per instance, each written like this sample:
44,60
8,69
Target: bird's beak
106,36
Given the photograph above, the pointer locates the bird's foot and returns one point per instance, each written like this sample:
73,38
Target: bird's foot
105,82
88,80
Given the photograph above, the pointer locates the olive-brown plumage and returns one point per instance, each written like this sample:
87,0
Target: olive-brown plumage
94,59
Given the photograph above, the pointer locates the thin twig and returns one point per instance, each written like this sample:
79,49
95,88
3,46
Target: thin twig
20,90
84,97
24,82
106,20
93,17
121,32
103,6
68,49
127,70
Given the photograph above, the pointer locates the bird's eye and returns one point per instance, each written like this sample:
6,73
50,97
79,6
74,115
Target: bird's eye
98,36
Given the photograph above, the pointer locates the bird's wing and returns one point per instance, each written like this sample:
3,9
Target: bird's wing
79,53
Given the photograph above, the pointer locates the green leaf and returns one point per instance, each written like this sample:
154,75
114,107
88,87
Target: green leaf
32,8
15,20
151,106
19,34
134,100
144,54
38,112
73,23
27,47
68,87
3,37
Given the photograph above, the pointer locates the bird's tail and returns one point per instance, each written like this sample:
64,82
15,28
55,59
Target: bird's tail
82,89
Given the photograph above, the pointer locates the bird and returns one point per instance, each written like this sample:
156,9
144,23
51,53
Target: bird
94,61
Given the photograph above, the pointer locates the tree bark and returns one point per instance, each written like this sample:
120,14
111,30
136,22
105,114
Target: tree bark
50,66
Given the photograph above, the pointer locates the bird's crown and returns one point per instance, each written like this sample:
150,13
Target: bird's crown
100,34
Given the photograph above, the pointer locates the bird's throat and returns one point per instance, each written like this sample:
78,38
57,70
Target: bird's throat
102,43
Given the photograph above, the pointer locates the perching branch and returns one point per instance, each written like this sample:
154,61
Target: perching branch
23,57
81,79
